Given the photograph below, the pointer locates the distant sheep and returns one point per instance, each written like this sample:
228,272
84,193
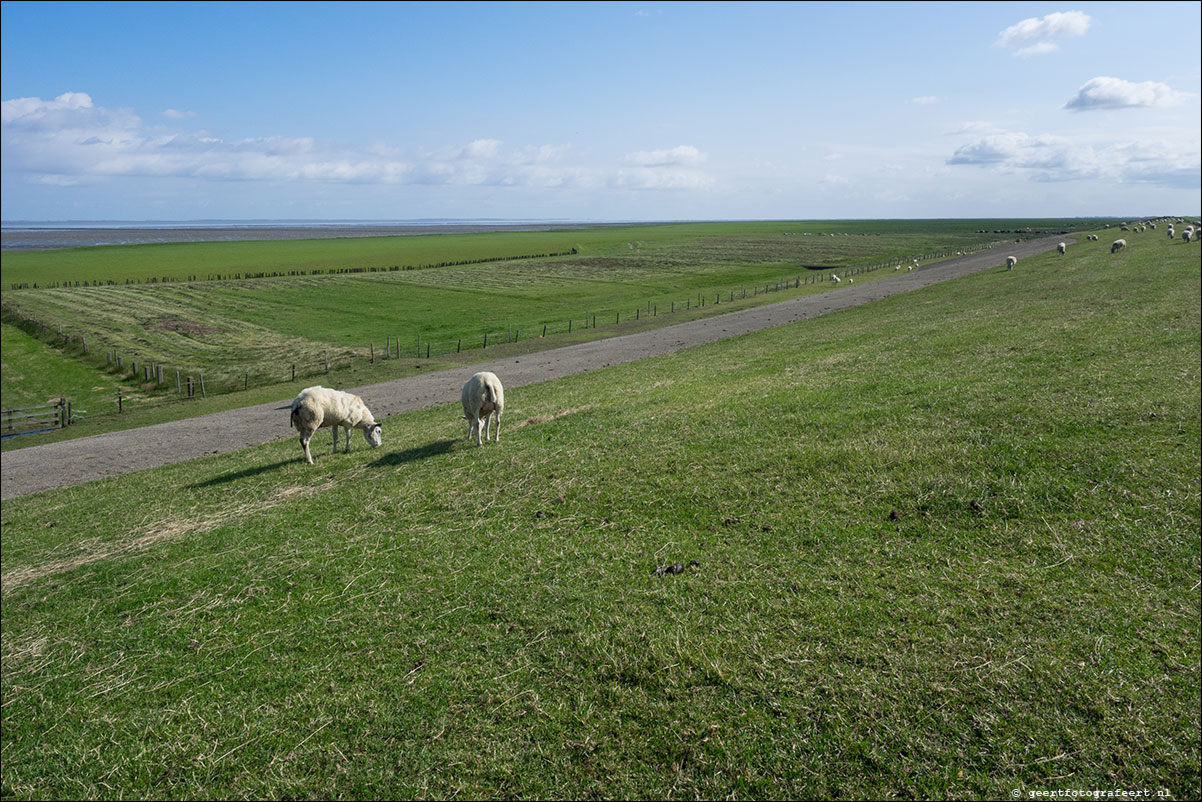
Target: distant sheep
318,407
1118,245
1170,232
1011,261
1061,247
482,397
1187,235
834,278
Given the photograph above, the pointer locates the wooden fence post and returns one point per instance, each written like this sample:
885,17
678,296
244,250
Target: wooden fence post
202,386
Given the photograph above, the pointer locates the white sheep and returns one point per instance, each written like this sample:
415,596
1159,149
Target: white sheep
835,278
482,397
1187,235
318,407
1061,247
1118,245
1170,232
1011,261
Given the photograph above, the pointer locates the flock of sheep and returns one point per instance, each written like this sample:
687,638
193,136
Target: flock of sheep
319,407
1187,236
483,397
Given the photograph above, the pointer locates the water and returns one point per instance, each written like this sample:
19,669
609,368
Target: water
41,235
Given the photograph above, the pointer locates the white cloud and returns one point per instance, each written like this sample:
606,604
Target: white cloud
679,155
176,114
974,127
481,149
925,99
1059,24
1041,30
1172,161
69,141
1115,93
1037,49
34,108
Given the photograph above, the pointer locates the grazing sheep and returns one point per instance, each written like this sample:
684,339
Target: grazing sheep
1061,247
1187,235
834,278
1118,245
482,396
318,407
1170,232
1011,261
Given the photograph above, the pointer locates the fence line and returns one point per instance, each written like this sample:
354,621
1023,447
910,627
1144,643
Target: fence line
41,418
238,378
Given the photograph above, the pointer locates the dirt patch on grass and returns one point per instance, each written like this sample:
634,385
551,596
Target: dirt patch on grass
183,326
537,419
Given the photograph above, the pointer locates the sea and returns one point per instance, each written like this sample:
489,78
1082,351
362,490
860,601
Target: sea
18,235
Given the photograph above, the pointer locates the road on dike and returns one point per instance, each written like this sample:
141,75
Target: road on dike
70,462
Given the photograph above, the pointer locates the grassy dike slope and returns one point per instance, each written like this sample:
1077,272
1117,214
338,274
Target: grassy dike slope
947,545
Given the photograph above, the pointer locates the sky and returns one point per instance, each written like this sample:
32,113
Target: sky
609,111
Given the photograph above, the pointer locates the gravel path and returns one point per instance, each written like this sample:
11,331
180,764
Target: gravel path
38,468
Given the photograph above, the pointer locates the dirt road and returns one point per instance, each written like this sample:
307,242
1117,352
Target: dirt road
38,468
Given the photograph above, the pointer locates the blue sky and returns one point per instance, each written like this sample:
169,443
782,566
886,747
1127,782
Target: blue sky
599,111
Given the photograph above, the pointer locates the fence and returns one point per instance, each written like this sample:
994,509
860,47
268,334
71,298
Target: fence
29,420
155,376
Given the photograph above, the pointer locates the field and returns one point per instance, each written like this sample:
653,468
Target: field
941,546
253,333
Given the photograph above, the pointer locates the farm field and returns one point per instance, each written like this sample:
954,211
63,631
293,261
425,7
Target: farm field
250,333
35,373
943,545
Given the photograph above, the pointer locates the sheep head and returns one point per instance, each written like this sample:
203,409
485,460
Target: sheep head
374,435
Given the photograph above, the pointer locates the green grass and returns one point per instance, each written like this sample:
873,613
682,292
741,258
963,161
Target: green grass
36,373
180,261
948,546
250,333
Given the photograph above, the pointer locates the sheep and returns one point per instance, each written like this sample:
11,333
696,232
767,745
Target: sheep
1187,235
1170,232
835,278
1061,247
482,396
1118,245
1011,261
318,407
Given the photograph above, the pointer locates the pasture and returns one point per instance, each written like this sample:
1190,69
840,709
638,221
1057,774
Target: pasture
348,328
943,545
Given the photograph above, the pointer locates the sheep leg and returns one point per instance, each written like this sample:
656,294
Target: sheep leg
335,429
347,434
305,445
498,425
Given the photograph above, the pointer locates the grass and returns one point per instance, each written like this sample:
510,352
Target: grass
182,261
947,546
251,333
35,373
